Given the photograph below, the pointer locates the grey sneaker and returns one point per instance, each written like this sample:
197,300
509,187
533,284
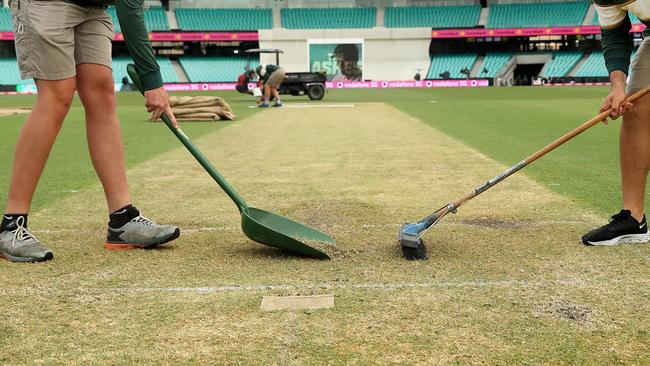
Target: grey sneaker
140,232
19,245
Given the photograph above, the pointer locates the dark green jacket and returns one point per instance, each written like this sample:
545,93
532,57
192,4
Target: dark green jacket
615,28
269,68
131,16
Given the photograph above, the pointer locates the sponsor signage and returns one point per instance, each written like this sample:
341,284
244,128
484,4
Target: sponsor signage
523,32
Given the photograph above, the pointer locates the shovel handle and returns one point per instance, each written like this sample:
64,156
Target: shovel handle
198,155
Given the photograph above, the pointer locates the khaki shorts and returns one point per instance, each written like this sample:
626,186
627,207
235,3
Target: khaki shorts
640,68
276,78
53,36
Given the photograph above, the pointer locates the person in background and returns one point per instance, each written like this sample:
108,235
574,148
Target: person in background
271,76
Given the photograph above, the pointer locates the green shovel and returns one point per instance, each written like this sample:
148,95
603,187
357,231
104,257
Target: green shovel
259,225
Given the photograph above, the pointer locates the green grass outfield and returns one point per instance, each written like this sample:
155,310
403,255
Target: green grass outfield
506,124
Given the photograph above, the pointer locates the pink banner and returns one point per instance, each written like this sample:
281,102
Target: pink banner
523,32
200,87
387,84
179,36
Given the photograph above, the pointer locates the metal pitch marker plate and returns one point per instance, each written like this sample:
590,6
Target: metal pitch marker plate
314,302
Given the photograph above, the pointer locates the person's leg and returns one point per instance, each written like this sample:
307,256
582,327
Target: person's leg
635,156
95,85
267,93
36,139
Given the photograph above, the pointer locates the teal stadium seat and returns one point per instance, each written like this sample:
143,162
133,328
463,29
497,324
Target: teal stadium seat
537,14
326,18
594,66
562,63
166,69
215,69
493,63
452,63
9,72
155,18
5,20
432,16
195,19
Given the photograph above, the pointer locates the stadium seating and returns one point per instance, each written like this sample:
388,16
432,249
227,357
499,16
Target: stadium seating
154,17
594,66
452,63
562,63
215,69
493,63
537,14
166,69
5,20
322,18
9,73
224,19
432,16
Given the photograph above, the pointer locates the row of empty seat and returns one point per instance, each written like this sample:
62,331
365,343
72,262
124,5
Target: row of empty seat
493,64
321,18
562,63
155,18
451,64
432,16
196,19
215,69
563,13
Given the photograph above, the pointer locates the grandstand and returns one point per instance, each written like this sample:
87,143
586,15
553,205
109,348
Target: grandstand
493,63
432,16
9,73
537,14
166,69
323,18
155,18
452,63
199,19
562,63
5,20
214,69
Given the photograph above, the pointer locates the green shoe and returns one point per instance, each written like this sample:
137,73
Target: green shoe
140,232
19,245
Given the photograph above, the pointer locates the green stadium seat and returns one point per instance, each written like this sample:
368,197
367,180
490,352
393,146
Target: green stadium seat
432,16
452,63
215,69
155,18
9,72
528,15
324,18
493,63
562,63
5,20
166,69
594,66
195,19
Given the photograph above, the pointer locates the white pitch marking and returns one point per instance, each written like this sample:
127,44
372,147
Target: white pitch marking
359,286
316,105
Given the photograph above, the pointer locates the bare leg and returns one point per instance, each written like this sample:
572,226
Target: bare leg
276,94
36,139
267,93
635,156
95,85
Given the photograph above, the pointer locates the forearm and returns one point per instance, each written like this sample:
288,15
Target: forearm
618,80
131,17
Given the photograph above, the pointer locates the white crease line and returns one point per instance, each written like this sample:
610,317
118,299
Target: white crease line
360,286
523,225
188,230
319,105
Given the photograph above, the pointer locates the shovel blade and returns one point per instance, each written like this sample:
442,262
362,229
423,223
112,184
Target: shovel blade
279,232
